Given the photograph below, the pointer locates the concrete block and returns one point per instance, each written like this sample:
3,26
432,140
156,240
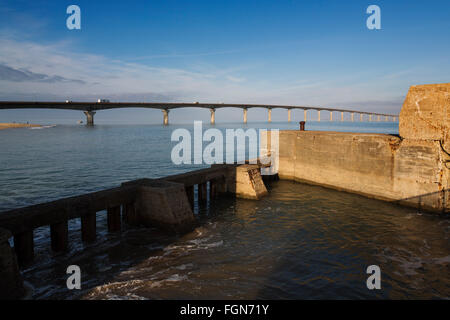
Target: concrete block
164,204
246,182
426,113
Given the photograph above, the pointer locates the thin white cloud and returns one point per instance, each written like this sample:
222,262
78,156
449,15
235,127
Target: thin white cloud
100,76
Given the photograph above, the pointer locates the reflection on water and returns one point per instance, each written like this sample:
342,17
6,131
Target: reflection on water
300,242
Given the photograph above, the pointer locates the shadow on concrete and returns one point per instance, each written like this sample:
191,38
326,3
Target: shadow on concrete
438,202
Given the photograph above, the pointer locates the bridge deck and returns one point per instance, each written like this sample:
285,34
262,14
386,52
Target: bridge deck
94,106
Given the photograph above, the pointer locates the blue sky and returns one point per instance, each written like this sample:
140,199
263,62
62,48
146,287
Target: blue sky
276,52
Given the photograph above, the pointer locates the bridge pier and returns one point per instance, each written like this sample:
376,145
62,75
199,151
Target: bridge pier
166,116
370,117
245,115
304,114
331,115
89,117
353,116
342,116
289,115
378,118
361,117
318,115
269,114
213,115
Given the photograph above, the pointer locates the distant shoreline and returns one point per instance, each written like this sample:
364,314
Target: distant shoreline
17,125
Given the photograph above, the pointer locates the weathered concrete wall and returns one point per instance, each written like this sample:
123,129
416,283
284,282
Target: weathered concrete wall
413,169
375,165
425,113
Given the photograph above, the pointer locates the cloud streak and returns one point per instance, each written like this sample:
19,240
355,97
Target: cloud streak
16,75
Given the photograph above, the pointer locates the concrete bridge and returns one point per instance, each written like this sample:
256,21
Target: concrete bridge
90,108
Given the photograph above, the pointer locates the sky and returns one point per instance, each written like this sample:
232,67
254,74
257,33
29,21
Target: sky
317,53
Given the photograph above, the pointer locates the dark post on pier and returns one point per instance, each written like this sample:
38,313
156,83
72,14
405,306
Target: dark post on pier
302,125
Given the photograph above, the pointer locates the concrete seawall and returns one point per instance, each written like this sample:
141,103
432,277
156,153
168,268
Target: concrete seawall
412,169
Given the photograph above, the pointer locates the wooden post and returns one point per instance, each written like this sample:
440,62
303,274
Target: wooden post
212,189
114,219
88,227
129,214
24,246
11,283
220,186
59,233
190,195
202,196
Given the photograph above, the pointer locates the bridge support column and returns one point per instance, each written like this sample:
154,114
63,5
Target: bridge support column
331,115
361,117
304,114
342,116
318,115
269,114
378,118
89,117
245,115
213,115
289,115
370,117
353,116
386,118
166,116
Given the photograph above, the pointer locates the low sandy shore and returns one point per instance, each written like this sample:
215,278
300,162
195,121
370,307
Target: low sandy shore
17,125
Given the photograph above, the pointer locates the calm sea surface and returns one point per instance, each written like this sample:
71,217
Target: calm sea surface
301,241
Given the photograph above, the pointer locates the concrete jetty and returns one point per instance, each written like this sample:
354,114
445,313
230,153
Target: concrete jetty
166,203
